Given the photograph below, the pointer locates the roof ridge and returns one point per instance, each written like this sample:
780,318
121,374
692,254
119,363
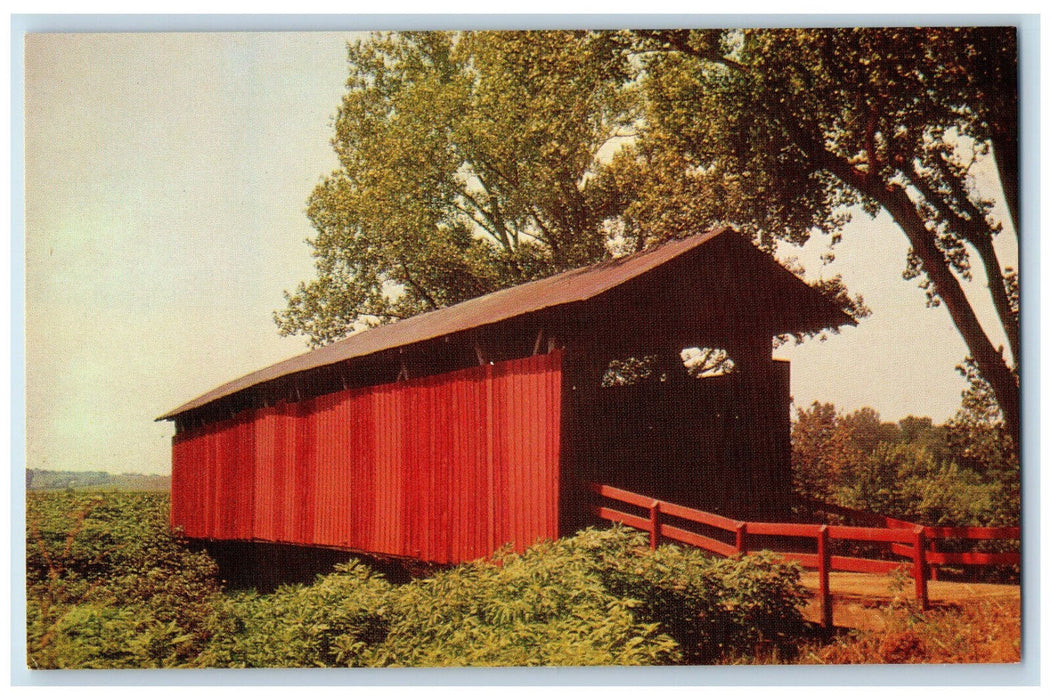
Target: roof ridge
568,287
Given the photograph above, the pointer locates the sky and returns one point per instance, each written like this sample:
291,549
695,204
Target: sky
166,182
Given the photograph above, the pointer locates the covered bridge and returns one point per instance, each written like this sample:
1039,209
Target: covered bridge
450,434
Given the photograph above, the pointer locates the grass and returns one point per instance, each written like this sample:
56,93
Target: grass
982,631
970,632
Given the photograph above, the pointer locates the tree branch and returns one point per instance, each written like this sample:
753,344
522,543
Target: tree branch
896,201
498,230
998,290
966,227
548,237
420,291
960,196
977,232
991,362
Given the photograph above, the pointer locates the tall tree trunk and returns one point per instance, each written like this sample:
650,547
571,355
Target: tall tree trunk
1005,153
998,80
896,202
998,290
991,363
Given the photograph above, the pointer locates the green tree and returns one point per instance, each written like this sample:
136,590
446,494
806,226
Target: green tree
905,480
781,131
976,435
473,161
823,455
866,430
467,164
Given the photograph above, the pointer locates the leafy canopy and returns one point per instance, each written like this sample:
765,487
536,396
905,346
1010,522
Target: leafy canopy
478,160
467,164
781,131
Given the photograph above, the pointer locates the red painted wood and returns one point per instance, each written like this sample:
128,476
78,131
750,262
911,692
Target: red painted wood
868,566
976,558
692,538
824,565
699,516
869,534
823,561
919,567
621,517
672,509
655,524
902,550
802,558
186,470
783,529
973,533
873,519
621,495
444,468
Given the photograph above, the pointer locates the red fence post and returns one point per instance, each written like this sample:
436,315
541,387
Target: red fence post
932,570
741,539
655,524
919,567
824,560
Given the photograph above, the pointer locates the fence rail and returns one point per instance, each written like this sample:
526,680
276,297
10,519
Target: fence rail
902,538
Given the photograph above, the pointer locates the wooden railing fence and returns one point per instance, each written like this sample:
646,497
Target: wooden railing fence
902,538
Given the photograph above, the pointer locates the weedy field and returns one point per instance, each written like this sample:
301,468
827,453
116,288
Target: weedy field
109,587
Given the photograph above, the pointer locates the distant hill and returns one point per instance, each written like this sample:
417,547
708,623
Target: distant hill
48,480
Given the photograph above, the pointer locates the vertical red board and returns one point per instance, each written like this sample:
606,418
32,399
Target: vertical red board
444,468
303,475
265,474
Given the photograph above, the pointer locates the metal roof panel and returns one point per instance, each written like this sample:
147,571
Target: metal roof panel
568,287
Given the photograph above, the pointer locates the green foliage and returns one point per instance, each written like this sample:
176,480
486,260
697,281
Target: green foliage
598,598
477,160
47,479
977,433
908,482
109,587
822,451
713,607
474,161
958,474
333,622
466,165
694,362
548,606
784,131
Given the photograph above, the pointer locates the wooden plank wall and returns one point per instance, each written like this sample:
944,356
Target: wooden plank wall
444,468
688,441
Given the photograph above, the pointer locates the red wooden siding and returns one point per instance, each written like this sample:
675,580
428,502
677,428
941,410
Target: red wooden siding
444,468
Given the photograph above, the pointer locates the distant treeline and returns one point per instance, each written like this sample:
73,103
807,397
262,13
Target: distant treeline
49,480
964,472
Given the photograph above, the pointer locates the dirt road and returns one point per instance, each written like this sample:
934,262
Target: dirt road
857,598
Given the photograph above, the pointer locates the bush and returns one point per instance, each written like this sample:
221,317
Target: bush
908,482
713,607
548,606
330,623
600,597
981,631
109,587
962,473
